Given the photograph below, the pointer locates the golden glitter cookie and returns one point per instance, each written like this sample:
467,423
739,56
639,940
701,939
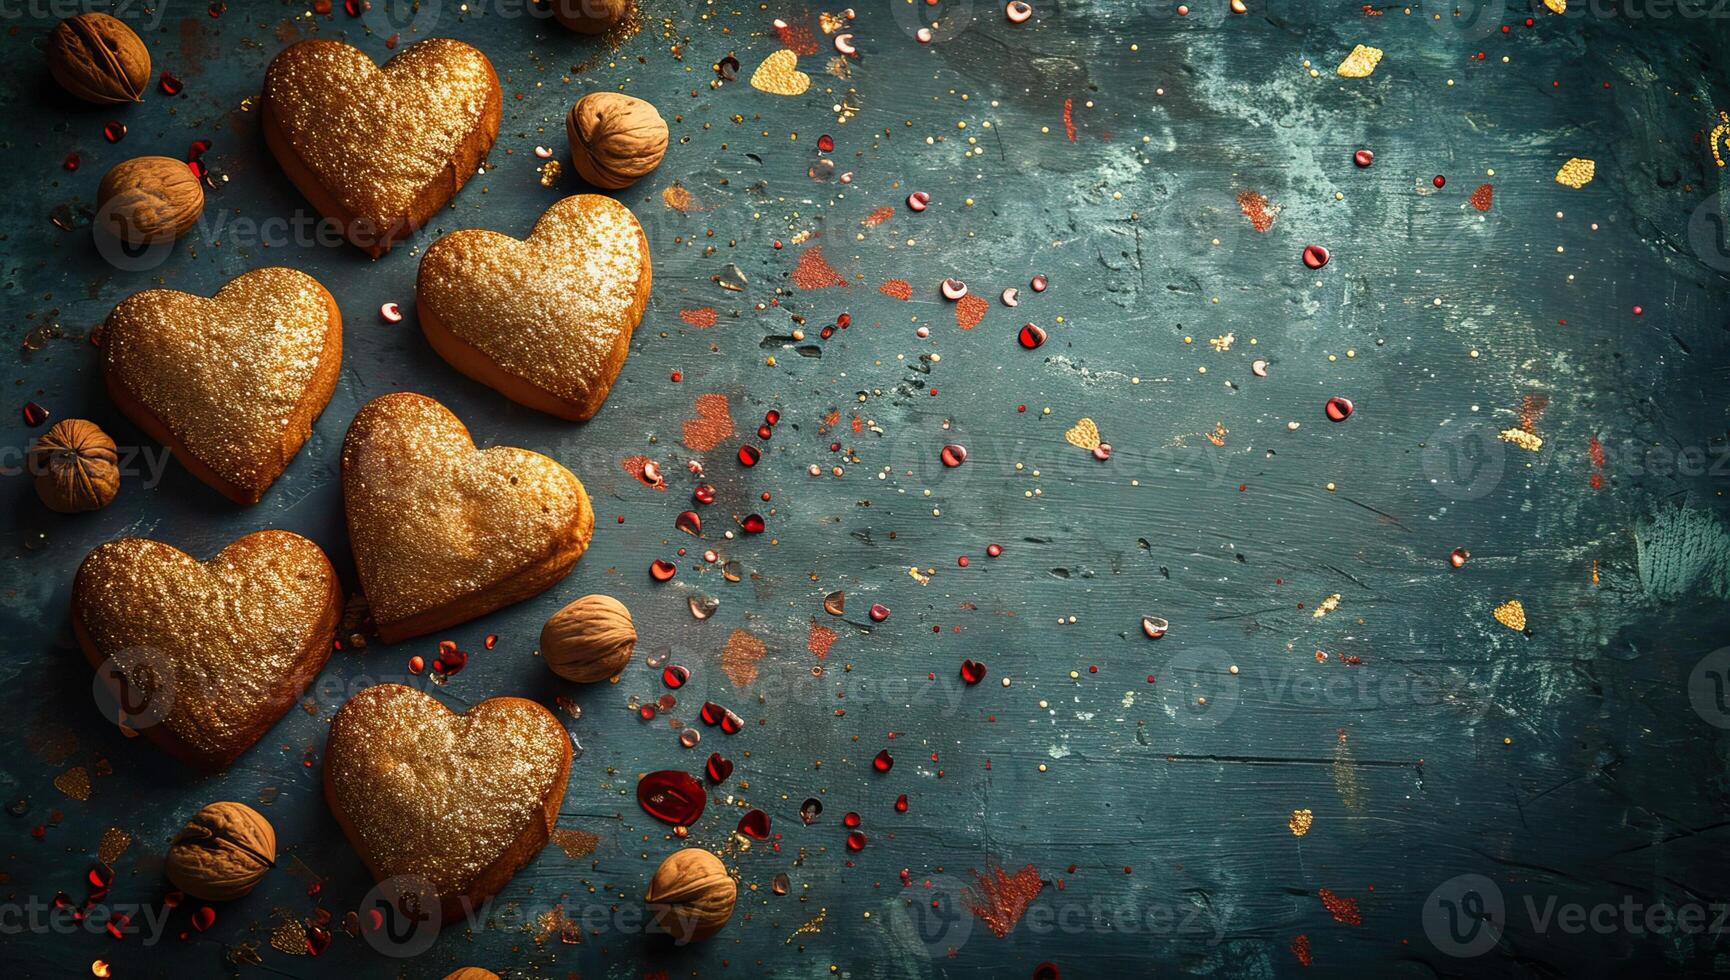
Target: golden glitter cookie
461,801
380,150
232,383
546,321
206,656
444,532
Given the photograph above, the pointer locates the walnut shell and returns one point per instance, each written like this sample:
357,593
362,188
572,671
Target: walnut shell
99,59
589,640
590,16
146,200
222,852
471,973
76,467
615,138
691,896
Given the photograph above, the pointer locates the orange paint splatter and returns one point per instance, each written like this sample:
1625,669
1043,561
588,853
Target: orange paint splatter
829,421
857,424
634,465
1300,948
999,900
969,311
675,196
878,216
1532,409
899,289
1483,196
1257,209
814,271
1595,450
739,658
702,319
798,38
1069,119
1344,910
714,423
822,638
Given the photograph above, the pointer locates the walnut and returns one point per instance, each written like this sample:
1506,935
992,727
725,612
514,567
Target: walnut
76,467
222,852
615,138
99,59
589,640
471,973
146,200
691,896
590,16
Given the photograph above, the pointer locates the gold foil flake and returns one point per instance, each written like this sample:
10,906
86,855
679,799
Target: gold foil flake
1511,614
779,75
289,936
923,578
679,199
1217,436
575,843
813,926
1083,435
1328,605
830,23
74,782
1525,440
1300,822
1556,6
114,843
1361,63
1223,344
1720,134
1577,172
550,172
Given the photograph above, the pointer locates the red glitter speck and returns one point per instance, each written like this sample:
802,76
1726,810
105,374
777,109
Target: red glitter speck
878,216
713,424
1257,209
797,38
815,272
702,319
899,289
999,900
1069,119
1344,910
1300,948
1482,197
969,310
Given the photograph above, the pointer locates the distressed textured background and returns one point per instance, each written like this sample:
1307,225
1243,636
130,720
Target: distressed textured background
1583,765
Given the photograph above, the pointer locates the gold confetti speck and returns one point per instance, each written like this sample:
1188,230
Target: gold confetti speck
575,843
1083,435
1525,440
74,782
815,925
550,173
1577,172
1328,605
1361,63
1300,822
114,843
1511,614
289,937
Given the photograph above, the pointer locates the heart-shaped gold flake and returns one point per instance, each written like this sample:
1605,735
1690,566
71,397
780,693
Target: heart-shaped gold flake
232,383
444,532
203,657
546,321
779,74
1083,435
459,802
380,150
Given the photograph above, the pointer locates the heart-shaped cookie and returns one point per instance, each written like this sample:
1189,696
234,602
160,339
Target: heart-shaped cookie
380,150
232,383
203,657
546,321
779,75
444,532
458,801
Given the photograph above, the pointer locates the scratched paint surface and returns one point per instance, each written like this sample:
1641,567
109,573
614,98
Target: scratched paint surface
1338,757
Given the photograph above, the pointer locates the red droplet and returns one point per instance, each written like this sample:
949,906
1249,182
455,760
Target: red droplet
661,569
671,796
71,162
731,723
810,810
354,8
1363,158
1638,311
1032,336
203,918
34,414
703,493
197,149
718,768
169,84
1439,180
1315,256
850,819
491,640
953,455
416,664
856,841
198,169
117,923
711,713
450,659
961,560
675,675
753,524
972,671
772,417
994,550
1339,409
1047,971
689,522
317,939
647,712
764,431
901,803
755,825
843,320
1038,283
114,131
879,612
884,761
101,876
826,143
749,455
1458,557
